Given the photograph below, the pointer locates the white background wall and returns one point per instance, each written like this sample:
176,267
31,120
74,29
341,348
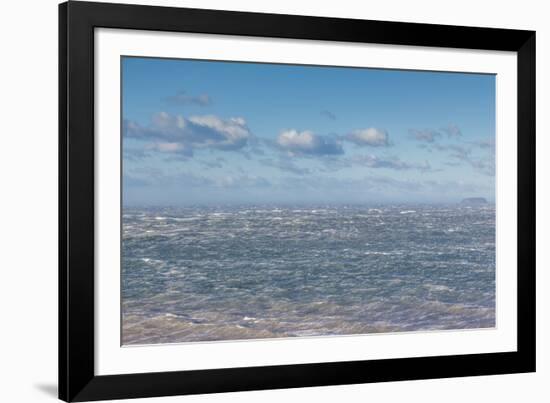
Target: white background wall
28,202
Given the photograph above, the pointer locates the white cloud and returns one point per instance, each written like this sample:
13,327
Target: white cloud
285,164
295,139
328,114
426,135
373,161
181,98
234,130
452,130
369,137
306,142
177,134
431,135
167,147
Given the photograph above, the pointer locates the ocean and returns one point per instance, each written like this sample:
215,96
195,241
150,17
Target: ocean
249,272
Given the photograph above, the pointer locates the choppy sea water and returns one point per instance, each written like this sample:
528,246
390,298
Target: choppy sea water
228,273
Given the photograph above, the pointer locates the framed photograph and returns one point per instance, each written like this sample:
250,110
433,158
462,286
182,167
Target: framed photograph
257,201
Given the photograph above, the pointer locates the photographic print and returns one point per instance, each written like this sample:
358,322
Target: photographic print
268,200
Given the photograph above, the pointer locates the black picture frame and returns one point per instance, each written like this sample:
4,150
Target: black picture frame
77,21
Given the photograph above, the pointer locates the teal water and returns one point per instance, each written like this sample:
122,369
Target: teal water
227,273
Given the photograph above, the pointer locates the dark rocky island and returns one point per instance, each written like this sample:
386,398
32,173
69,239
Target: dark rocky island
473,201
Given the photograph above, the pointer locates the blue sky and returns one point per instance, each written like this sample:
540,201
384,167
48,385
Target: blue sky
206,132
